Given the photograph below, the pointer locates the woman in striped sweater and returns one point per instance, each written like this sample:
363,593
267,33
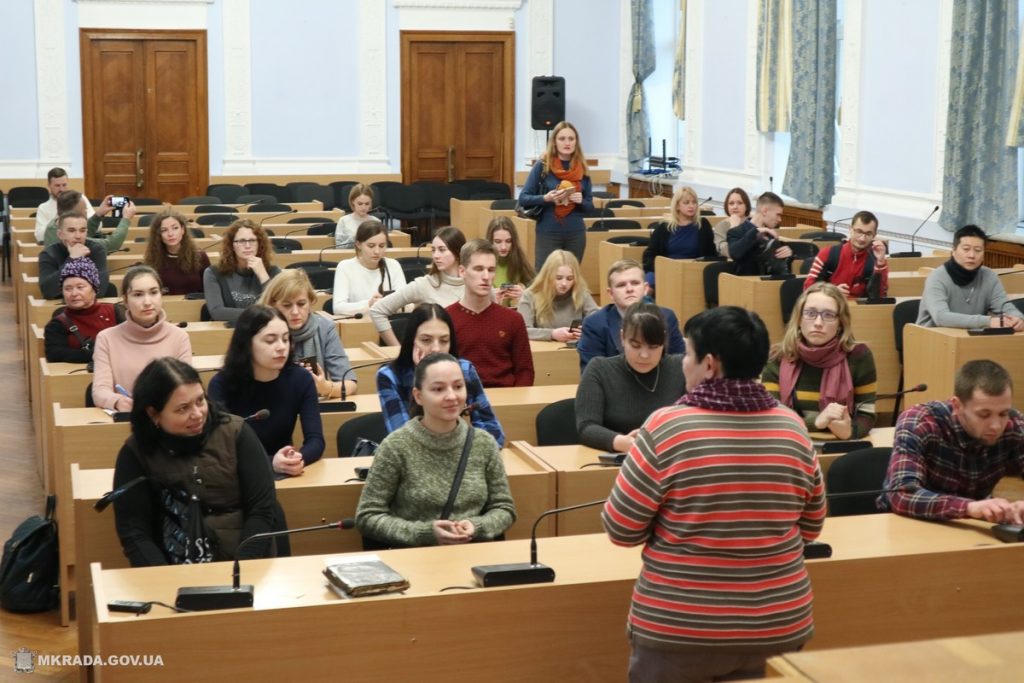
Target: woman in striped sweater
723,490
820,371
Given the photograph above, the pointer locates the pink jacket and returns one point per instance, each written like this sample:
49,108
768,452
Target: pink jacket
124,350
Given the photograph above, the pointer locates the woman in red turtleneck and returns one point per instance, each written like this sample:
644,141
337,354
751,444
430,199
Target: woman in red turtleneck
70,335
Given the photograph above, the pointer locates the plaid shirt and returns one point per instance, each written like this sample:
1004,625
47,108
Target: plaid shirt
941,467
395,390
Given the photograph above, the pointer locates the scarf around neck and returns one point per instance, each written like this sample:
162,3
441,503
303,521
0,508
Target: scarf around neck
574,174
836,380
960,276
729,395
306,342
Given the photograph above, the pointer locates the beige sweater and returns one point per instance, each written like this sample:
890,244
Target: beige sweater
421,290
124,350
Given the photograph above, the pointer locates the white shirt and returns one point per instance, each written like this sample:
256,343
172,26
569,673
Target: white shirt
47,211
345,233
354,284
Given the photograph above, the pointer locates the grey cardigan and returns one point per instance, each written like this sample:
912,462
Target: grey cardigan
944,304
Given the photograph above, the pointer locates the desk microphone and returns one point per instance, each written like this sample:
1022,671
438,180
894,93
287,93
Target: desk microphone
354,316
468,410
896,394
349,406
841,221
912,253
1009,533
518,573
874,292
118,270
110,496
258,416
275,215
202,598
994,331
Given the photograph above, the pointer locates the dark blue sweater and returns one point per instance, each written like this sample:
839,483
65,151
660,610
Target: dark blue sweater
292,395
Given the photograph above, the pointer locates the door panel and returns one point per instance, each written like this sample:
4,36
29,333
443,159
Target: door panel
457,106
144,111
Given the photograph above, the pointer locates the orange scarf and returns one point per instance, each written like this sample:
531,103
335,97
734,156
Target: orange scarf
573,174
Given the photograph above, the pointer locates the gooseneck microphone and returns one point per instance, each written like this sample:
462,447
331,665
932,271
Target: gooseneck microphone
354,316
994,331
258,416
347,406
110,496
841,221
912,253
518,573
203,598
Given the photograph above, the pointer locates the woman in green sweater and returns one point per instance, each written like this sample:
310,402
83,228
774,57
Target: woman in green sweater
414,467
820,371
514,272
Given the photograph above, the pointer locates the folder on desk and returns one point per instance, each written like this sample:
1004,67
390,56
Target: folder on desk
368,577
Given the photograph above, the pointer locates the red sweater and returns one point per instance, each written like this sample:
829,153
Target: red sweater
496,342
849,270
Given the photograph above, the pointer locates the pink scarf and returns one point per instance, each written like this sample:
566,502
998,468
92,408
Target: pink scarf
836,381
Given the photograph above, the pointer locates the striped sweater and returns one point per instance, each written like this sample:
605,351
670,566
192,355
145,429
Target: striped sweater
808,389
724,502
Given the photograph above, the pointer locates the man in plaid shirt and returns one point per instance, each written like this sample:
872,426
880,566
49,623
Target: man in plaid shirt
947,456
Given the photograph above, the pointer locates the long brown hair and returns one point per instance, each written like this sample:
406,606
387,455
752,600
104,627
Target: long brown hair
228,260
516,264
454,240
552,152
156,252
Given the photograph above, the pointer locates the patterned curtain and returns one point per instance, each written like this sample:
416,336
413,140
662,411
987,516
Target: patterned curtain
1015,131
980,181
810,174
774,65
638,125
679,72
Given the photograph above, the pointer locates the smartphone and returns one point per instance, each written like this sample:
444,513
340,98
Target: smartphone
311,362
508,285
575,325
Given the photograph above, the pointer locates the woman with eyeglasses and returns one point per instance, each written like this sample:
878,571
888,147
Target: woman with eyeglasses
820,371
245,268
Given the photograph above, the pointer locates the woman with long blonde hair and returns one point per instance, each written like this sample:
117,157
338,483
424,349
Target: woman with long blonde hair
558,297
559,183
819,370
683,234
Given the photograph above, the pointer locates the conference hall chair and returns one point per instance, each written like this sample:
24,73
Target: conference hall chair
904,313
341,189
214,208
370,427
226,193
504,204
556,424
216,219
270,208
711,273
280,193
199,199
606,224
616,203
27,197
635,240
789,292
823,236
853,472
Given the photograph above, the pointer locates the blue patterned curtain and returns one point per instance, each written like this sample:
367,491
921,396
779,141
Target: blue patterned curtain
980,181
1015,130
679,72
810,174
774,65
638,124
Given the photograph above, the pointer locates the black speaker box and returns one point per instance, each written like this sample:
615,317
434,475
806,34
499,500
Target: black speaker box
548,102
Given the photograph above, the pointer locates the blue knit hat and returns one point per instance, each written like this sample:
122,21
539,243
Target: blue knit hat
83,268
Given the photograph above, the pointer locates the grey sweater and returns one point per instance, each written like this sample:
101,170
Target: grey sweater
944,304
611,401
412,475
245,290
564,313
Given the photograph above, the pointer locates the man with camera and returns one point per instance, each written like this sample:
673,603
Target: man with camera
73,201
754,243
56,183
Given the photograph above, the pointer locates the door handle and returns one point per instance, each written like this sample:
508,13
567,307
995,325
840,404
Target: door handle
451,164
138,168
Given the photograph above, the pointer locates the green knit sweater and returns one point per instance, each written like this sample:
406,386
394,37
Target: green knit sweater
808,389
412,475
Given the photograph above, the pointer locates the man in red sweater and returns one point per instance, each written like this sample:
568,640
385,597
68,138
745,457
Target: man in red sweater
490,336
858,259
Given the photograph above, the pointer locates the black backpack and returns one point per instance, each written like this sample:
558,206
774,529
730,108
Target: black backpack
832,262
29,569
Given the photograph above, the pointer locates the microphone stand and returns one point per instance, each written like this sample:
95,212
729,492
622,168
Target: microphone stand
913,235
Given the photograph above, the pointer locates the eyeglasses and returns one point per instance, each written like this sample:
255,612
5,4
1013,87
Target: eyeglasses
246,242
826,316
862,233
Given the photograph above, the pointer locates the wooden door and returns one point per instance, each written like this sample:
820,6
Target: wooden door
144,113
457,106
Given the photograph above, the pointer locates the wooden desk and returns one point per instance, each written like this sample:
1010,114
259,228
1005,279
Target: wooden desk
323,492
933,355
680,286
927,580
607,254
872,325
576,484
754,294
988,657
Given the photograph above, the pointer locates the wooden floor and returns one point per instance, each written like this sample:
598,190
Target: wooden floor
21,493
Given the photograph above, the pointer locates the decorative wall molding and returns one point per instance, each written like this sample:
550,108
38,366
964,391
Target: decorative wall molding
885,200
757,158
373,76
148,3
694,78
150,14
849,129
304,166
942,62
51,87
539,45
625,82
714,177
33,168
237,82
456,15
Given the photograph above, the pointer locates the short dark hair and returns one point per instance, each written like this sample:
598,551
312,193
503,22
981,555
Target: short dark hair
68,200
415,409
864,218
55,172
743,195
153,388
969,230
646,321
989,376
770,198
66,215
238,358
735,336
421,314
